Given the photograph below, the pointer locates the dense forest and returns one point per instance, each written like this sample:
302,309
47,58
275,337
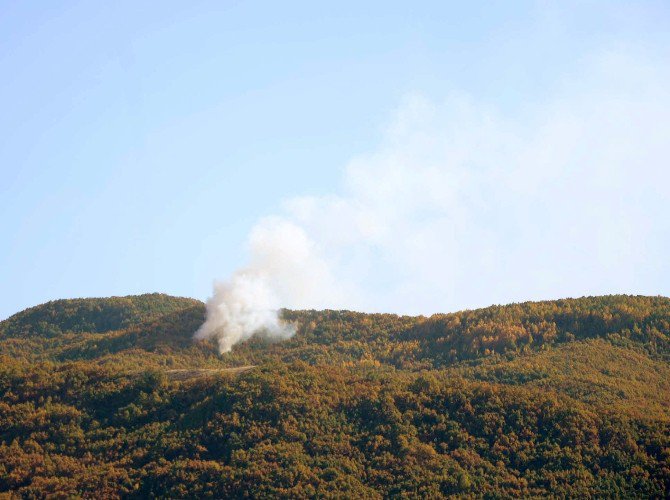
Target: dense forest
112,398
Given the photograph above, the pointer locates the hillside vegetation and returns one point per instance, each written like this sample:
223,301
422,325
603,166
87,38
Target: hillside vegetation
112,397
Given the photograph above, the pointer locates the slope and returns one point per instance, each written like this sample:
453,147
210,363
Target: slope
566,398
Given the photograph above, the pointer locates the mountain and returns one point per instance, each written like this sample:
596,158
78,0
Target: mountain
143,331
113,398
92,315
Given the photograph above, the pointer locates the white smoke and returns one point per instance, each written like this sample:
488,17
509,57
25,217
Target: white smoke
240,308
285,268
463,205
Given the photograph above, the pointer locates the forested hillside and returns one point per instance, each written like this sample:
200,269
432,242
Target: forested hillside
565,398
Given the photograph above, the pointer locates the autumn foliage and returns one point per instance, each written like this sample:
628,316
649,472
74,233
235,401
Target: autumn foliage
565,398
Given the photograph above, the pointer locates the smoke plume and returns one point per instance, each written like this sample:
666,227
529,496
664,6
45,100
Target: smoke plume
240,308
285,269
462,205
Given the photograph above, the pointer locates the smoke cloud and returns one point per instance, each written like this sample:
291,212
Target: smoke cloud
463,205
285,268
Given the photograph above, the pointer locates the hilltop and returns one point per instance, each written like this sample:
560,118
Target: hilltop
156,330
114,397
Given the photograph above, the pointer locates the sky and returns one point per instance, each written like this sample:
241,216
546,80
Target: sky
385,156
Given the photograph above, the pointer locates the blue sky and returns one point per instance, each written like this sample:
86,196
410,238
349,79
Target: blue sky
142,141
